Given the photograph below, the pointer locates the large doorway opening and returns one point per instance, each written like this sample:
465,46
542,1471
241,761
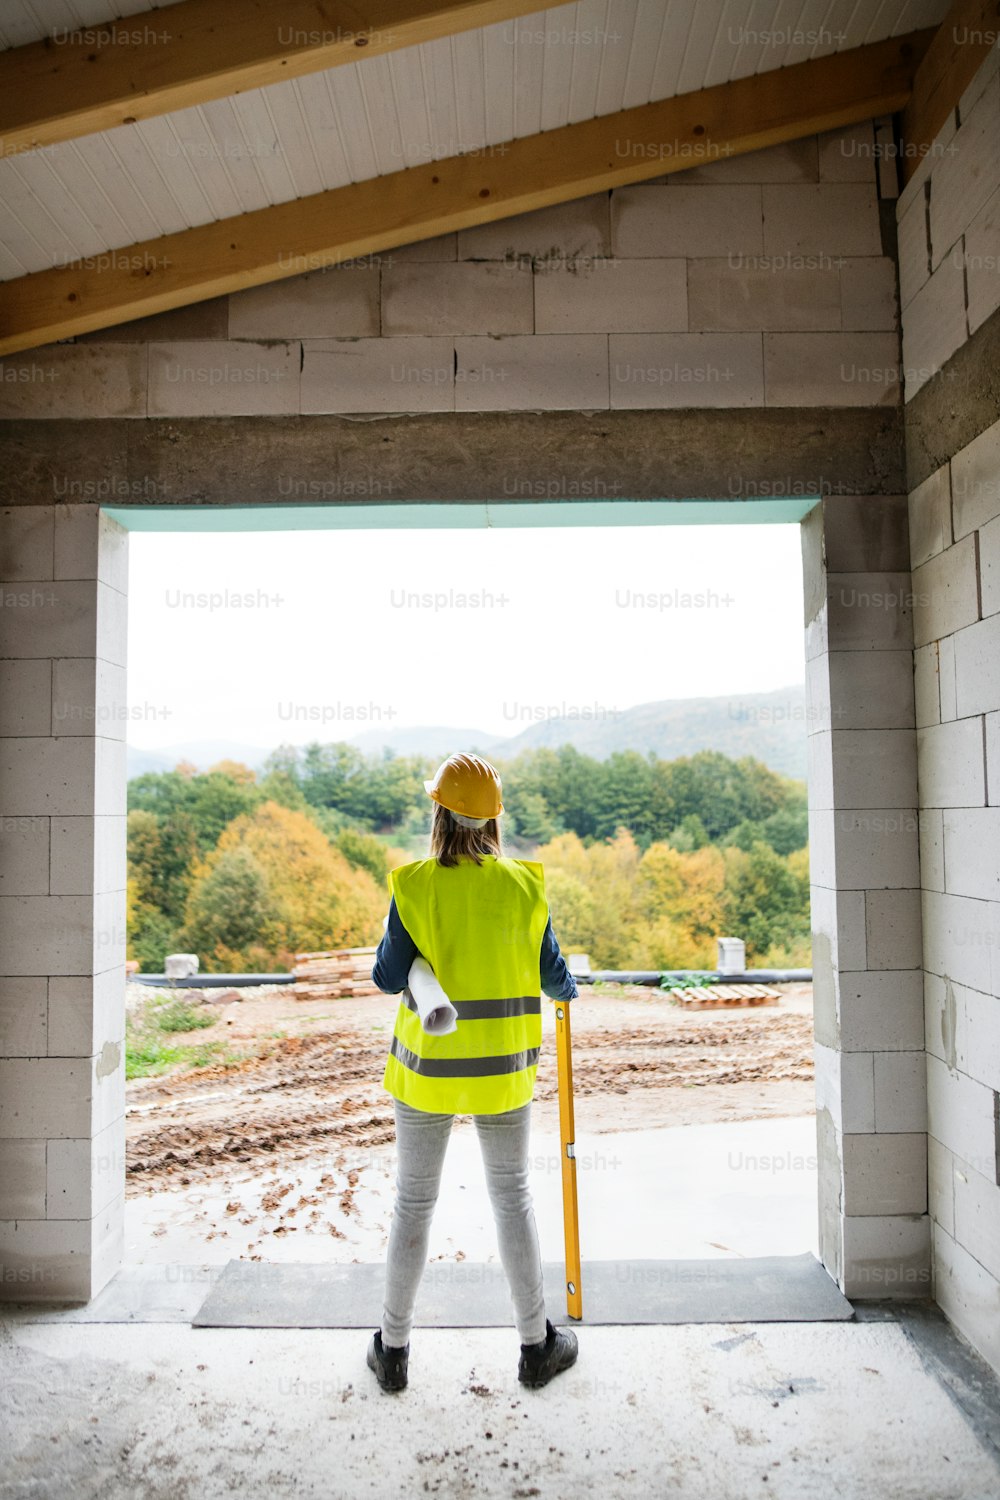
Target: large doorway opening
267,1137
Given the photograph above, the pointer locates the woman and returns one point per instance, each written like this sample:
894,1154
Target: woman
482,923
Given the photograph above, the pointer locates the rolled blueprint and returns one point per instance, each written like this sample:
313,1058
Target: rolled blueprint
437,1015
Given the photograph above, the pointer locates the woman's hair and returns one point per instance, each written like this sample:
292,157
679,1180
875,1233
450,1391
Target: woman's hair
449,839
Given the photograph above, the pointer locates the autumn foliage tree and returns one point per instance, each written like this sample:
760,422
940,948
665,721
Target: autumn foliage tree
275,885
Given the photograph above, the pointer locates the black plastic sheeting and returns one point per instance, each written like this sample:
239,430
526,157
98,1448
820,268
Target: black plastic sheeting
596,976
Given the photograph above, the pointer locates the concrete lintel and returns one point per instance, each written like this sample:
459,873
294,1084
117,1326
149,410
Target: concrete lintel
500,456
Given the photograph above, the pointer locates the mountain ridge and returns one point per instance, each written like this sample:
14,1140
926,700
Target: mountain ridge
770,726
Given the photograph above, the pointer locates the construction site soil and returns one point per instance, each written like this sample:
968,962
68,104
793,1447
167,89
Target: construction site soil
305,1078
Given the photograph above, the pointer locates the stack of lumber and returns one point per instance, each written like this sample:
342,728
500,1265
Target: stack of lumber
725,994
334,975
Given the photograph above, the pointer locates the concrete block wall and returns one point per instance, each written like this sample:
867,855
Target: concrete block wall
954,518
949,233
63,577
949,267
758,281
865,898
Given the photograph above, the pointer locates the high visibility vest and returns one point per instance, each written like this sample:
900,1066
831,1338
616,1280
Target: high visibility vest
480,927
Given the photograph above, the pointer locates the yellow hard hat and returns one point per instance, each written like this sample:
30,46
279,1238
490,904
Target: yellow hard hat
467,785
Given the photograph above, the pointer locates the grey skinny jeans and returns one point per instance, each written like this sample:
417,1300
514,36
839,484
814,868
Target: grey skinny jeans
421,1142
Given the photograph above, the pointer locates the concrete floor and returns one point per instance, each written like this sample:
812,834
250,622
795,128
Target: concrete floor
725,1189
892,1405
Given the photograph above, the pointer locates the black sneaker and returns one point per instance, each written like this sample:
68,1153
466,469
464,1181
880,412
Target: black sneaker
539,1362
389,1364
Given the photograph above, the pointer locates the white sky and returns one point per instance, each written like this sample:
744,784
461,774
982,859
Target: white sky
331,633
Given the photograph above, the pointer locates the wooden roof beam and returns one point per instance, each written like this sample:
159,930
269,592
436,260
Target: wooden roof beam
158,61
421,202
958,49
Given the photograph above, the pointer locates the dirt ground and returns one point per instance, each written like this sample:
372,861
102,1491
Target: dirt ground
638,1062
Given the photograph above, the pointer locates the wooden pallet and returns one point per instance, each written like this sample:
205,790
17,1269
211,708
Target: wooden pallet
726,995
334,974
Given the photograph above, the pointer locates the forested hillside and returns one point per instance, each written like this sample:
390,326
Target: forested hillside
647,860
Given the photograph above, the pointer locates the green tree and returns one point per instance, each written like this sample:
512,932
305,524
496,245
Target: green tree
231,909
766,899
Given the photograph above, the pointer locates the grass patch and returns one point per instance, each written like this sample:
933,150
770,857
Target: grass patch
181,1015
149,1048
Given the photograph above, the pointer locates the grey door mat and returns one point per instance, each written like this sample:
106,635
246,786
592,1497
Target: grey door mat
765,1289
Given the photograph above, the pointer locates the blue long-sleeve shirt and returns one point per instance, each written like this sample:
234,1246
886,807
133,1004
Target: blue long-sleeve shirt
397,950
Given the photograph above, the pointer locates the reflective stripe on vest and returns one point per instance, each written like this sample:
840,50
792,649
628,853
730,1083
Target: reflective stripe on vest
480,928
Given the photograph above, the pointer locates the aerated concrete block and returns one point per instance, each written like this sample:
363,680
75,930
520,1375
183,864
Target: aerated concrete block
945,593
88,543
337,302
979,1040
971,849
940,1185
26,543
42,777
42,619
868,295
930,516
24,856
46,934
74,382
46,1260
22,1179
992,724
676,370
549,372
931,849
725,297
869,611
934,325
885,1174
23,1006
960,1115
378,375
871,689
437,299
961,937
45,1098
975,482
25,698
217,379
892,922
85,1011
610,296
687,221
964,177
886,1256
982,262
828,219
881,1011
85,1176
967,1294
577,230
901,1093
845,1086
89,697
914,247
977,667
789,161
926,685
874,768
831,369
950,764
989,566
